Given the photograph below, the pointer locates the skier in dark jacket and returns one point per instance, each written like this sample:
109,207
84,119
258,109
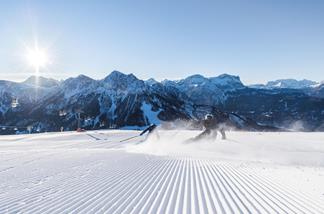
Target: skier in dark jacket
211,126
150,130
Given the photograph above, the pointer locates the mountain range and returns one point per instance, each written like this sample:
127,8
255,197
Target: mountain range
288,83
124,101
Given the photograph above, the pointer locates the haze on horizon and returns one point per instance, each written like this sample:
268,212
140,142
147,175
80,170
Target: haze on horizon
258,41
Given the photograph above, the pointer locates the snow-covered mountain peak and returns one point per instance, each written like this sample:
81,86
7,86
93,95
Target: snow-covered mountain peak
151,82
193,80
119,76
224,81
123,82
227,80
79,80
205,90
41,81
79,84
291,83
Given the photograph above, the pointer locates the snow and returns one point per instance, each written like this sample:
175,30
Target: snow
93,172
291,83
227,80
152,116
278,85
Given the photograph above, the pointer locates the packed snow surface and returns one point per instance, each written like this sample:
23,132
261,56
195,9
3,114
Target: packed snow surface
98,172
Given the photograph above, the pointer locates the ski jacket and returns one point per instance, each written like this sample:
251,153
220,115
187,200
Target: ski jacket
210,124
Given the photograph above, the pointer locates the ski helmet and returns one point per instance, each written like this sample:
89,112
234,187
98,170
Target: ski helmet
209,117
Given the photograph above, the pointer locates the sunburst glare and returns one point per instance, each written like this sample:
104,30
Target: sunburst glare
37,58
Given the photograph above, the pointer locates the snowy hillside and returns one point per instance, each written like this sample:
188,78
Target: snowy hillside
93,172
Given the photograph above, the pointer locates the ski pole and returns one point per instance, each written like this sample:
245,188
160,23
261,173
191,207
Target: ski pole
129,138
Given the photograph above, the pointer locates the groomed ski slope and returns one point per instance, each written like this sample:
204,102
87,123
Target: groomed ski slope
93,172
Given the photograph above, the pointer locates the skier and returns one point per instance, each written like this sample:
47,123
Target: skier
150,130
211,126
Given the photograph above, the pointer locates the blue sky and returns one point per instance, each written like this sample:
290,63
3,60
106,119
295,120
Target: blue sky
257,40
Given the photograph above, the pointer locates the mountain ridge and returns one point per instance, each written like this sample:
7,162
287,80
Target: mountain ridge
271,84
122,100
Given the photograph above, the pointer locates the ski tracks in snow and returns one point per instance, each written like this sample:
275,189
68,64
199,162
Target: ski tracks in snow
155,185
119,182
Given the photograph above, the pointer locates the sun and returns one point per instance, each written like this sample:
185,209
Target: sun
37,57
